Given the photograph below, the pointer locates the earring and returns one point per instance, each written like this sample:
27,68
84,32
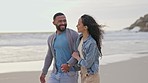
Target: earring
86,27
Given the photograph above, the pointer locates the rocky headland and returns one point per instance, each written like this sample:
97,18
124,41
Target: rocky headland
142,23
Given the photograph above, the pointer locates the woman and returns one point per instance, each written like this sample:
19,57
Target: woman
89,49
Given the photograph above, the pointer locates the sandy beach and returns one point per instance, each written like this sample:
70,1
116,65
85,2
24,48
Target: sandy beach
130,71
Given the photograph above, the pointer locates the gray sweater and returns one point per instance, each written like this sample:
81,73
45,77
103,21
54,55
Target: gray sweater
72,37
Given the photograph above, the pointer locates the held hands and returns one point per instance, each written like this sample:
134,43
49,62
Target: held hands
65,67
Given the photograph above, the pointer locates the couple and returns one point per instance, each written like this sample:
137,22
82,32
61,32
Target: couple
70,51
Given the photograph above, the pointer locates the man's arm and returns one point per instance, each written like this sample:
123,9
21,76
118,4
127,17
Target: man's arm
47,63
72,36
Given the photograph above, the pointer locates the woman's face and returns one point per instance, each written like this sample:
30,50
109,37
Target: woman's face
80,27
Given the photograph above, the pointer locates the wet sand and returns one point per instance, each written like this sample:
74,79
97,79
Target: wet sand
130,71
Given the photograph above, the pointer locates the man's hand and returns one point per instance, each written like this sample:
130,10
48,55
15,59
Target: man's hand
65,67
42,78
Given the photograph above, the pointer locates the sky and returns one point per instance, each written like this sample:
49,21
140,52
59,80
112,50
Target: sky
36,15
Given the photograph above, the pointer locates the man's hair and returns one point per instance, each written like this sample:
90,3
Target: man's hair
57,14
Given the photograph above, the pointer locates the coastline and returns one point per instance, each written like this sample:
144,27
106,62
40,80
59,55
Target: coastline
129,71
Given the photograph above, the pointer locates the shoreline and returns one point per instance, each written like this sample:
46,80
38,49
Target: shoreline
129,71
37,65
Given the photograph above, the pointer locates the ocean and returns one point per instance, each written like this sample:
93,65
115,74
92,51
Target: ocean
21,47
30,49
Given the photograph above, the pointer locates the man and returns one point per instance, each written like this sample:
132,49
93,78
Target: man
61,45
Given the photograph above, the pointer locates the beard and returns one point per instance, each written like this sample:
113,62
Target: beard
61,28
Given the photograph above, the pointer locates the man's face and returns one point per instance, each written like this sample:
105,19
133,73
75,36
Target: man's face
60,23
